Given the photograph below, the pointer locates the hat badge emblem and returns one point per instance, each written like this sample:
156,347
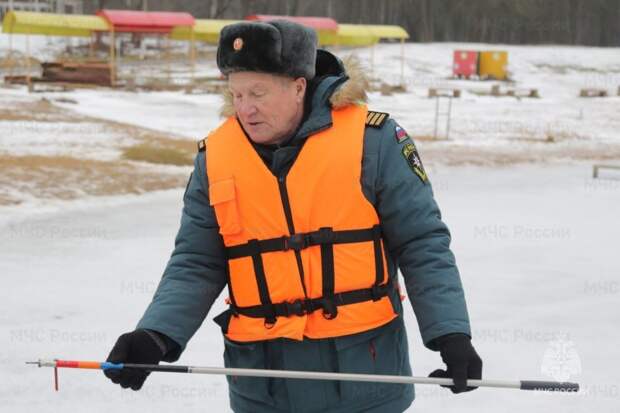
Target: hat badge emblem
238,44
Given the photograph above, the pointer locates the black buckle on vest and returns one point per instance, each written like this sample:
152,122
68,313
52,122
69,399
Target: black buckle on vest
376,232
330,309
297,307
233,310
270,316
295,242
376,292
324,235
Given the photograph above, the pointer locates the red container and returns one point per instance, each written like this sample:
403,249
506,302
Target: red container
465,63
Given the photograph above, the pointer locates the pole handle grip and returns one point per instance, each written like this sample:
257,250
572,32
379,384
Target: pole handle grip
561,386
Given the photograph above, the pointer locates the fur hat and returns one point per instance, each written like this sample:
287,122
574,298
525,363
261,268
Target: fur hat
277,46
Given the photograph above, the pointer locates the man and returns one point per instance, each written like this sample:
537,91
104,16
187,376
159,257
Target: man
305,204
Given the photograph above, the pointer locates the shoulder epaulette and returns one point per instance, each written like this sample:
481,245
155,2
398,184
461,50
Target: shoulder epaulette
202,145
376,119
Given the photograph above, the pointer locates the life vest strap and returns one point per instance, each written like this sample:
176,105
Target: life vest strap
328,277
329,302
376,239
261,281
301,241
307,306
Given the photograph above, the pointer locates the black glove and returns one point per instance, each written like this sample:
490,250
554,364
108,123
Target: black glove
140,346
462,360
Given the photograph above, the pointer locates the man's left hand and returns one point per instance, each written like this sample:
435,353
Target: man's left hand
462,360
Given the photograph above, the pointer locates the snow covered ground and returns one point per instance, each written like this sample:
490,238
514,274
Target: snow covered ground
558,72
534,234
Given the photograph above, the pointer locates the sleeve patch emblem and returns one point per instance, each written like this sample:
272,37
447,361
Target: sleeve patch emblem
413,160
401,134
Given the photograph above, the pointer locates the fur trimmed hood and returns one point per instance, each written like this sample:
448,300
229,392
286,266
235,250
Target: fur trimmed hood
351,90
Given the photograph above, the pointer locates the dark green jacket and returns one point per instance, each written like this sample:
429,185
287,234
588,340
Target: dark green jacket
418,243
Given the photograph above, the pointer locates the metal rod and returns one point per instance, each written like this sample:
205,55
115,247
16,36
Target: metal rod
449,117
313,375
28,58
436,117
112,56
192,54
372,60
402,61
167,57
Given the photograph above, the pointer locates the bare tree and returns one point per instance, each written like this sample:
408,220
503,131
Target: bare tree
587,22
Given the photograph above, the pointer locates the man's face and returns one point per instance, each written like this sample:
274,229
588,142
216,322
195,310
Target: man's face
268,106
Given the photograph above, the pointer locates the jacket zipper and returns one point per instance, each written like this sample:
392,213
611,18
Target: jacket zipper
291,228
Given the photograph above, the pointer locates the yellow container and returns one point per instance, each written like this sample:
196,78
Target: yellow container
493,65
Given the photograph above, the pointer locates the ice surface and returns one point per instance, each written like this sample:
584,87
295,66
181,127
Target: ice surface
538,266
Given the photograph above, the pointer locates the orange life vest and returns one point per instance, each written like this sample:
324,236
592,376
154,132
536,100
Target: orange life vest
305,253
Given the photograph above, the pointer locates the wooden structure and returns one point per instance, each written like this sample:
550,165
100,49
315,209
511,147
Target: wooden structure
593,93
355,35
85,73
444,92
49,24
329,33
446,113
143,22
182,26
514,92
597,168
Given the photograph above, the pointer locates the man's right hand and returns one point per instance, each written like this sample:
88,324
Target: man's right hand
462,360
140,346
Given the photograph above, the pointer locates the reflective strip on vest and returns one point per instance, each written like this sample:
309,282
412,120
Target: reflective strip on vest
324,190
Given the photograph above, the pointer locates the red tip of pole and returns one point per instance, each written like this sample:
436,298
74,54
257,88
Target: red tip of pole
68,363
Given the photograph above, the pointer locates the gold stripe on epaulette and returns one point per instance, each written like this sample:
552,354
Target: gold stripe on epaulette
381,118
376,119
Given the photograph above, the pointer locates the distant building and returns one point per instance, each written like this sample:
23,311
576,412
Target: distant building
49,6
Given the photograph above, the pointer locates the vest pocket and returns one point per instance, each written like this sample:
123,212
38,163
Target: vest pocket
379,351
223,198
247,356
